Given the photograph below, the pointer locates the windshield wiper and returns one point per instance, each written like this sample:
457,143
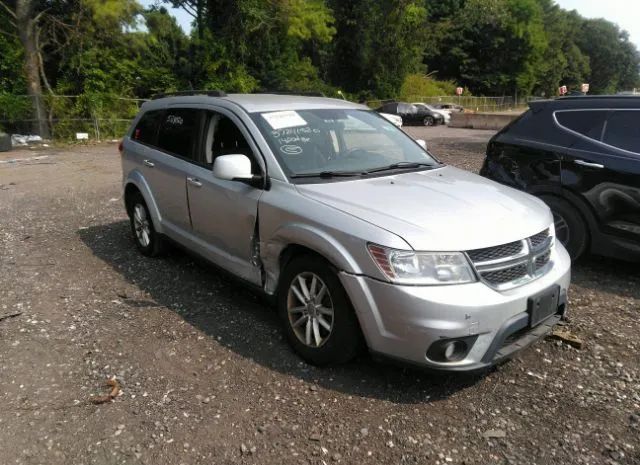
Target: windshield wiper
401,165
328,174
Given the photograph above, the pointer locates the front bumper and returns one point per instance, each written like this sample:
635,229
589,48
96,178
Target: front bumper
402,322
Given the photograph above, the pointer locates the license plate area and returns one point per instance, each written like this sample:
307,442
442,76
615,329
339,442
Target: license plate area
542,305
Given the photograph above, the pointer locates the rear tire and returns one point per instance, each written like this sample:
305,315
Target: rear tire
147,240
428,121
571,228
319,323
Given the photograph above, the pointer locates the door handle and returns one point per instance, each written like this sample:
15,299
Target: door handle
195,182
589,164
149,163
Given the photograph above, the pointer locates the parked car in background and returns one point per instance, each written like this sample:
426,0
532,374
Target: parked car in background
395,119
411,114
581,155
360,235
452,107
446,114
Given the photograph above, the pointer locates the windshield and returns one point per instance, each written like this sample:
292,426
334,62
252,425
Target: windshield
330,142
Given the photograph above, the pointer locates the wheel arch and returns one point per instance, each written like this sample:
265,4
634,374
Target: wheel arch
295,239
584,209
135,182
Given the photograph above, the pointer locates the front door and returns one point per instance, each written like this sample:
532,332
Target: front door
224,213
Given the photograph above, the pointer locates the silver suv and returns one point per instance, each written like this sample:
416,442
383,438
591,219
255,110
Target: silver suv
362,236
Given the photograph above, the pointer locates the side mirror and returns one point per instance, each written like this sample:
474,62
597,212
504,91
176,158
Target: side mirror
422,143
236,168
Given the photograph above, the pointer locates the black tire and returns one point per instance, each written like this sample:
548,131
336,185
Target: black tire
571,228
344,340
155,245
428,121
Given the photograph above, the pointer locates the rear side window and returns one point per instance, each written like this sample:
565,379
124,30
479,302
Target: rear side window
179,131
588,123
623,130
147,128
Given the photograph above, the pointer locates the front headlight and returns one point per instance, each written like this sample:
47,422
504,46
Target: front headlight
424,268
552,234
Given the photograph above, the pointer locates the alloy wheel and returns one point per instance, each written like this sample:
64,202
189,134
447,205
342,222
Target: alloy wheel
563,233
310,309
141,225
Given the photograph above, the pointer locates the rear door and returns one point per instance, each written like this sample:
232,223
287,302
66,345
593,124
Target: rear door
166,164
603,165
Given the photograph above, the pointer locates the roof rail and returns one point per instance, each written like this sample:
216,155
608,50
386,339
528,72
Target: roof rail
287,92
186,93
596,97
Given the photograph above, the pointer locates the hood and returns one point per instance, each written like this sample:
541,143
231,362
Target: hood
445,209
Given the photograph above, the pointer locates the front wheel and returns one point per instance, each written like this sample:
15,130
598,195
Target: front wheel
316,313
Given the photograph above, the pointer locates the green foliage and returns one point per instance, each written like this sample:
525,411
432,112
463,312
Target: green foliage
103,50
416,86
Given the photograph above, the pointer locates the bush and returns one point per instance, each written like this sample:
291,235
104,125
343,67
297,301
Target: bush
416,86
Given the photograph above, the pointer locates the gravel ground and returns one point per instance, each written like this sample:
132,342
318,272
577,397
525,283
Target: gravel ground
207,378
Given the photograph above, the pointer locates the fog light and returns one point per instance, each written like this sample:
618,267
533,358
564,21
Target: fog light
451,350
454,350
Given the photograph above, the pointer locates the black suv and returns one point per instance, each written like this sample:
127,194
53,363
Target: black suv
581,155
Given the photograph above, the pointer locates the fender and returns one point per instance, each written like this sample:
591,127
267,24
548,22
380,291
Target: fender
136,178
582,206
307,236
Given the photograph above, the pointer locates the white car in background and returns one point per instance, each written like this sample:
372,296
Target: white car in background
395,119
446,114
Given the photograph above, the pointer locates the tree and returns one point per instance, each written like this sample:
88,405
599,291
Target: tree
613,59
377,43
24,16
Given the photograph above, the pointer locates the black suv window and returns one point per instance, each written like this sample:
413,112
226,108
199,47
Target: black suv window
623,130
589,123
147,128
179,131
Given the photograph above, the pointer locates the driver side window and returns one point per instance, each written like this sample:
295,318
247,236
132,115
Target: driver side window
223,137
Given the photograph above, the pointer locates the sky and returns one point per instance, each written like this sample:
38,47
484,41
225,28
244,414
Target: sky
626,13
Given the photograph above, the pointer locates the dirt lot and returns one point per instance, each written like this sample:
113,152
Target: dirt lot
207,377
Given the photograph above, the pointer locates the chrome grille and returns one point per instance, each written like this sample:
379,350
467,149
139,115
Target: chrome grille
509,265
496,253
542,260
538,239
505,275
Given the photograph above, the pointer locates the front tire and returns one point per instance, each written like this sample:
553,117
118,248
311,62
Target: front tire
571,229
316,313
147,240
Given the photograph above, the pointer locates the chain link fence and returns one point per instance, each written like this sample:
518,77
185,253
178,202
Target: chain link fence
101,116
469,103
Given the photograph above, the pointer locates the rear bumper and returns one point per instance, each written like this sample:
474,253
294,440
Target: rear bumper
402,322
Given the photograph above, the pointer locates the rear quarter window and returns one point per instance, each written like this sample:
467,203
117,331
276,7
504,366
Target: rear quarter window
146,130
588,123
623,130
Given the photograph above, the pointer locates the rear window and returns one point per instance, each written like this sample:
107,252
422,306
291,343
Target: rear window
147,128
179,131
623,130
589,123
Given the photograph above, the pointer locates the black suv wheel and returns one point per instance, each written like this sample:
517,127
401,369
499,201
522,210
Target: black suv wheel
571,229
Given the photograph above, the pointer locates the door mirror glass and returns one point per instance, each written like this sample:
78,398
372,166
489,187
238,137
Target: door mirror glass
422,143
232,168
